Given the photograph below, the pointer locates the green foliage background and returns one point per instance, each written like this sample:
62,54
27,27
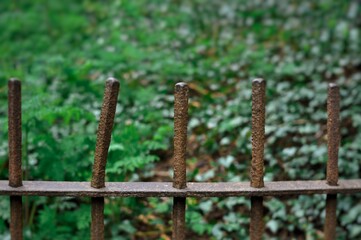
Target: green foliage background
64,50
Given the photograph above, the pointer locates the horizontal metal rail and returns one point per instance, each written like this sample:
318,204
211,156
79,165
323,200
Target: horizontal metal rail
166,189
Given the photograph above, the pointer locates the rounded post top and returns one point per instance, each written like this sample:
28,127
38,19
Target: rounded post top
112,80
14,80
181,86
258,81
332,85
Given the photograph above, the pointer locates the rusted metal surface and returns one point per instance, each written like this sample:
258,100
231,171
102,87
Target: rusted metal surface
331,219
15,172
101,153
179,228
14,114
16,218
257,225
258,132
165,189
104,132
97,223
180,134
179,158
257,164
333,132
333,141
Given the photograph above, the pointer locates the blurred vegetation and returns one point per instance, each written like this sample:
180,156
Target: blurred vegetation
64,50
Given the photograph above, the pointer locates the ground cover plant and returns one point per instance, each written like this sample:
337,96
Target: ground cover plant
64,50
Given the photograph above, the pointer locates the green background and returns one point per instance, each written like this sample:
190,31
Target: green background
63,51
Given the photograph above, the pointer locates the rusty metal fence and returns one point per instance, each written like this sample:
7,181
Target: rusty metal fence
179,190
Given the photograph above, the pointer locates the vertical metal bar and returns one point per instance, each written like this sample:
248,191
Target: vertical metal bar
331,220
256,225
14,112
97,220
333,142
179,209
104,132
257,165
180,134
15,172
16,218
179,161
258,132
101,152
333,133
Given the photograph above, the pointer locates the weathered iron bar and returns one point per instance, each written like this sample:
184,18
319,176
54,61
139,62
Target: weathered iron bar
257,164
179,158
180,134
101,153
331,218
256,222
104,132
97,218
258,131
178,217
166,189
333,132
333,142
15,172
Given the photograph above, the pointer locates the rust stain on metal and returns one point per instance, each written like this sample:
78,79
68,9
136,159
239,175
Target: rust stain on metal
16,218
104,132
14,114
257,225
333,132
180,134
331,218
179,228
258,132
97,223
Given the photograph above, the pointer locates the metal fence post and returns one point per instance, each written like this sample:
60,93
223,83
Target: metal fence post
179,161
15,172
333,142
257,165
101,153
